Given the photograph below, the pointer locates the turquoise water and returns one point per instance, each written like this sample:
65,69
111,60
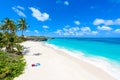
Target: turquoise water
103,47
102,52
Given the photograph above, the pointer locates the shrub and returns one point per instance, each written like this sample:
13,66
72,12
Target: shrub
11,65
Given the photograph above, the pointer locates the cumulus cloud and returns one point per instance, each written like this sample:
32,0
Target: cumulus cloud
102,21
85,29
117,31
77,22
66,3
98,21
117,21
18,11
45,27
94,32
88,31
39,15
67,31
20,7
36,31
106,22
59,32
104,28
75,31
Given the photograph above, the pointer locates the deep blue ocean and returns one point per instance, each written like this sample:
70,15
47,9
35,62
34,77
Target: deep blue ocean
102,47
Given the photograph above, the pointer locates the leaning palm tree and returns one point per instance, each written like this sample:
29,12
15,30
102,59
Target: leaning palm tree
22,25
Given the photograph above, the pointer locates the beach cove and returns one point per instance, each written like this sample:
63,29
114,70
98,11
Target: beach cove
57,65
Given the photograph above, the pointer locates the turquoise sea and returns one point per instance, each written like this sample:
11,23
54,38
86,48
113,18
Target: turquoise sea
104,47
99,48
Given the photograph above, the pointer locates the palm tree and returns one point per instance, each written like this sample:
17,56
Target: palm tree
12,27
8,35
22,25
8,25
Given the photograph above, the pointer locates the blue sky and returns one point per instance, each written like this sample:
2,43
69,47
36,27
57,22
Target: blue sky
66,18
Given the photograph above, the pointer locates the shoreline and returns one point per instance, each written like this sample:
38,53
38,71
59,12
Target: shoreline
58,65
100,62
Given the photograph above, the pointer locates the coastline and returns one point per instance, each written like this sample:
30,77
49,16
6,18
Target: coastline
109,66
57,65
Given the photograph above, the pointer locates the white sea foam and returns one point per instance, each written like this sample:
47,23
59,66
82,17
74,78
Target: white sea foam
108,66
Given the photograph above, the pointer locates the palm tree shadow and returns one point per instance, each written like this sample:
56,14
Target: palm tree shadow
26,51
37,54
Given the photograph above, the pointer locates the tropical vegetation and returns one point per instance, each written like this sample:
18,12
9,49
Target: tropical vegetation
11,58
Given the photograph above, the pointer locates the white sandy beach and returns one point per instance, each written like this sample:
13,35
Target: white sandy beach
57,65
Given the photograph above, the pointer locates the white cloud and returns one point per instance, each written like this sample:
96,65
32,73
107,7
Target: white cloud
27,31
79,34
36,31
117,21
88,31
94,32
77,22
45,27
117,31
59,32
85,29
76,31
66,3
98,21
106,22
102,21
109,22
67,26
19,12
65,29
67,33
38,15
20,7
105,28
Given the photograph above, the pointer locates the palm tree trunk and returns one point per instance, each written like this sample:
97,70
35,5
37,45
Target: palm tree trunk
22,33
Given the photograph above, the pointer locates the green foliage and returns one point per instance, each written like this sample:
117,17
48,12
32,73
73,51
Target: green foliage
1,41
19,49
22,25
11,61
11,65
8,34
